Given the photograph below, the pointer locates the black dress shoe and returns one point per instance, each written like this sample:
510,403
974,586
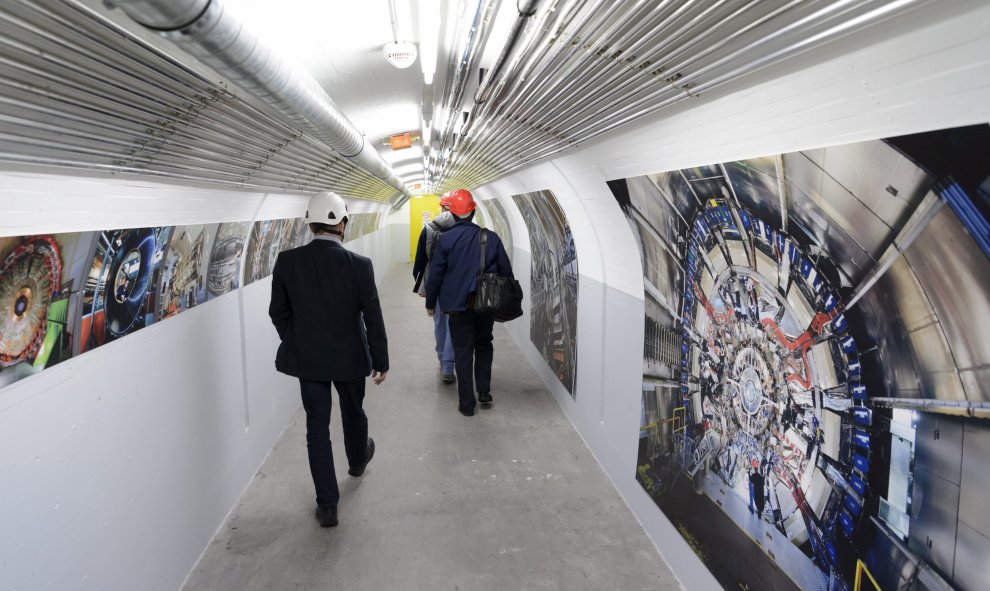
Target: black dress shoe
359,470
468,412
485,397
448,378
327,516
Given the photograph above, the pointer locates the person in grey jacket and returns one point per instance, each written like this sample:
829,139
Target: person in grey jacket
425,248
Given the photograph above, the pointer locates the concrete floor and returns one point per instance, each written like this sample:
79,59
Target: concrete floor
508,499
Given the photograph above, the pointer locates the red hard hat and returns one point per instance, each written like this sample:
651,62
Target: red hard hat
445,199
461,203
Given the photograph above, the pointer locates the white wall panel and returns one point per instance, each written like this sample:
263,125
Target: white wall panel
398,230
934,76
272,397
43,203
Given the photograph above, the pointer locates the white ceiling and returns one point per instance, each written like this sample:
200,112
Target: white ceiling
564,84
340,43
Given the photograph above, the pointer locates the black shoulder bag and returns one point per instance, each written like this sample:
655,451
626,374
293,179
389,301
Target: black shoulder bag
501,297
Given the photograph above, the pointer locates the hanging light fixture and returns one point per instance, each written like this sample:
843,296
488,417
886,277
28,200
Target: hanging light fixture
429,36
400,54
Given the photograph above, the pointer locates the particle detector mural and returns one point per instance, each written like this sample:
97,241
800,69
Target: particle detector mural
224,272
553,283
814,404
64,294
263,248
41,281
119,295
361,224
186,269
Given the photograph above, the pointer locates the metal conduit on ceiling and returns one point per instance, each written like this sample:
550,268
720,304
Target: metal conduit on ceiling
78,91
585,67
223,41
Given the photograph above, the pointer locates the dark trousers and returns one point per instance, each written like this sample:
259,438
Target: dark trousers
471,335
318,400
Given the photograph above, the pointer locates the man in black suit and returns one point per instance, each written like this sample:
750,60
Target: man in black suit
326,310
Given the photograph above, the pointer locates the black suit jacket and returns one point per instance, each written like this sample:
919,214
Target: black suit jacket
326,310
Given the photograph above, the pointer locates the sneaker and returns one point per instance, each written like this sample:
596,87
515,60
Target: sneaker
356,471
485,398
327,516
448,378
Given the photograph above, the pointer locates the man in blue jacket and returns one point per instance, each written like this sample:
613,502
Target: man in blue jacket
452,280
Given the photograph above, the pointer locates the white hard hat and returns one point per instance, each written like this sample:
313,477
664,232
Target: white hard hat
326,207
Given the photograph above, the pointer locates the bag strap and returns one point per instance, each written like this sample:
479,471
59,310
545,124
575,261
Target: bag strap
484,245
433,246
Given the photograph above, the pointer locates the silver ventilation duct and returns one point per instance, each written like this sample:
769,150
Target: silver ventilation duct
219,39
80,92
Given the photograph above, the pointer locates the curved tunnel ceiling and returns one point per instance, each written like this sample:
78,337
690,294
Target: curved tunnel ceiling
82,92
578,71
554,77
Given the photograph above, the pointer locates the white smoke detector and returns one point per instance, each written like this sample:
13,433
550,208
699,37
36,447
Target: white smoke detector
400,54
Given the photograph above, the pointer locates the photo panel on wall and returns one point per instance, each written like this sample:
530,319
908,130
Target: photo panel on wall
263,247
224,273
554,284
813,319
64,294
499,222
185,270
41,283
119,294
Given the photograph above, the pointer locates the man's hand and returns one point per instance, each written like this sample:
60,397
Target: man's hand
429,312
378,377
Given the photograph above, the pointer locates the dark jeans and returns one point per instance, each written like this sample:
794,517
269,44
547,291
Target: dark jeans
471,335
318,400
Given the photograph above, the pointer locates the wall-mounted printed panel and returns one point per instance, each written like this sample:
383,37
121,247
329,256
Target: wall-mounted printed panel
498,222
554,284
811,320
259,258
361,224
119,296
297,234
64,294
224,273
185,271
41,281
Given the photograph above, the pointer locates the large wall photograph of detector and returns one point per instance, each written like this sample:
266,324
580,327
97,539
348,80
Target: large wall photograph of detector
816,382
553,283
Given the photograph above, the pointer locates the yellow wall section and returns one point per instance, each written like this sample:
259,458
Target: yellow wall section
422,208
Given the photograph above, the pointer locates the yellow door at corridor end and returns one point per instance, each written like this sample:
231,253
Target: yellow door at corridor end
422,208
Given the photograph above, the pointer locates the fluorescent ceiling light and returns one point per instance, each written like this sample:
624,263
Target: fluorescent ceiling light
429,36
